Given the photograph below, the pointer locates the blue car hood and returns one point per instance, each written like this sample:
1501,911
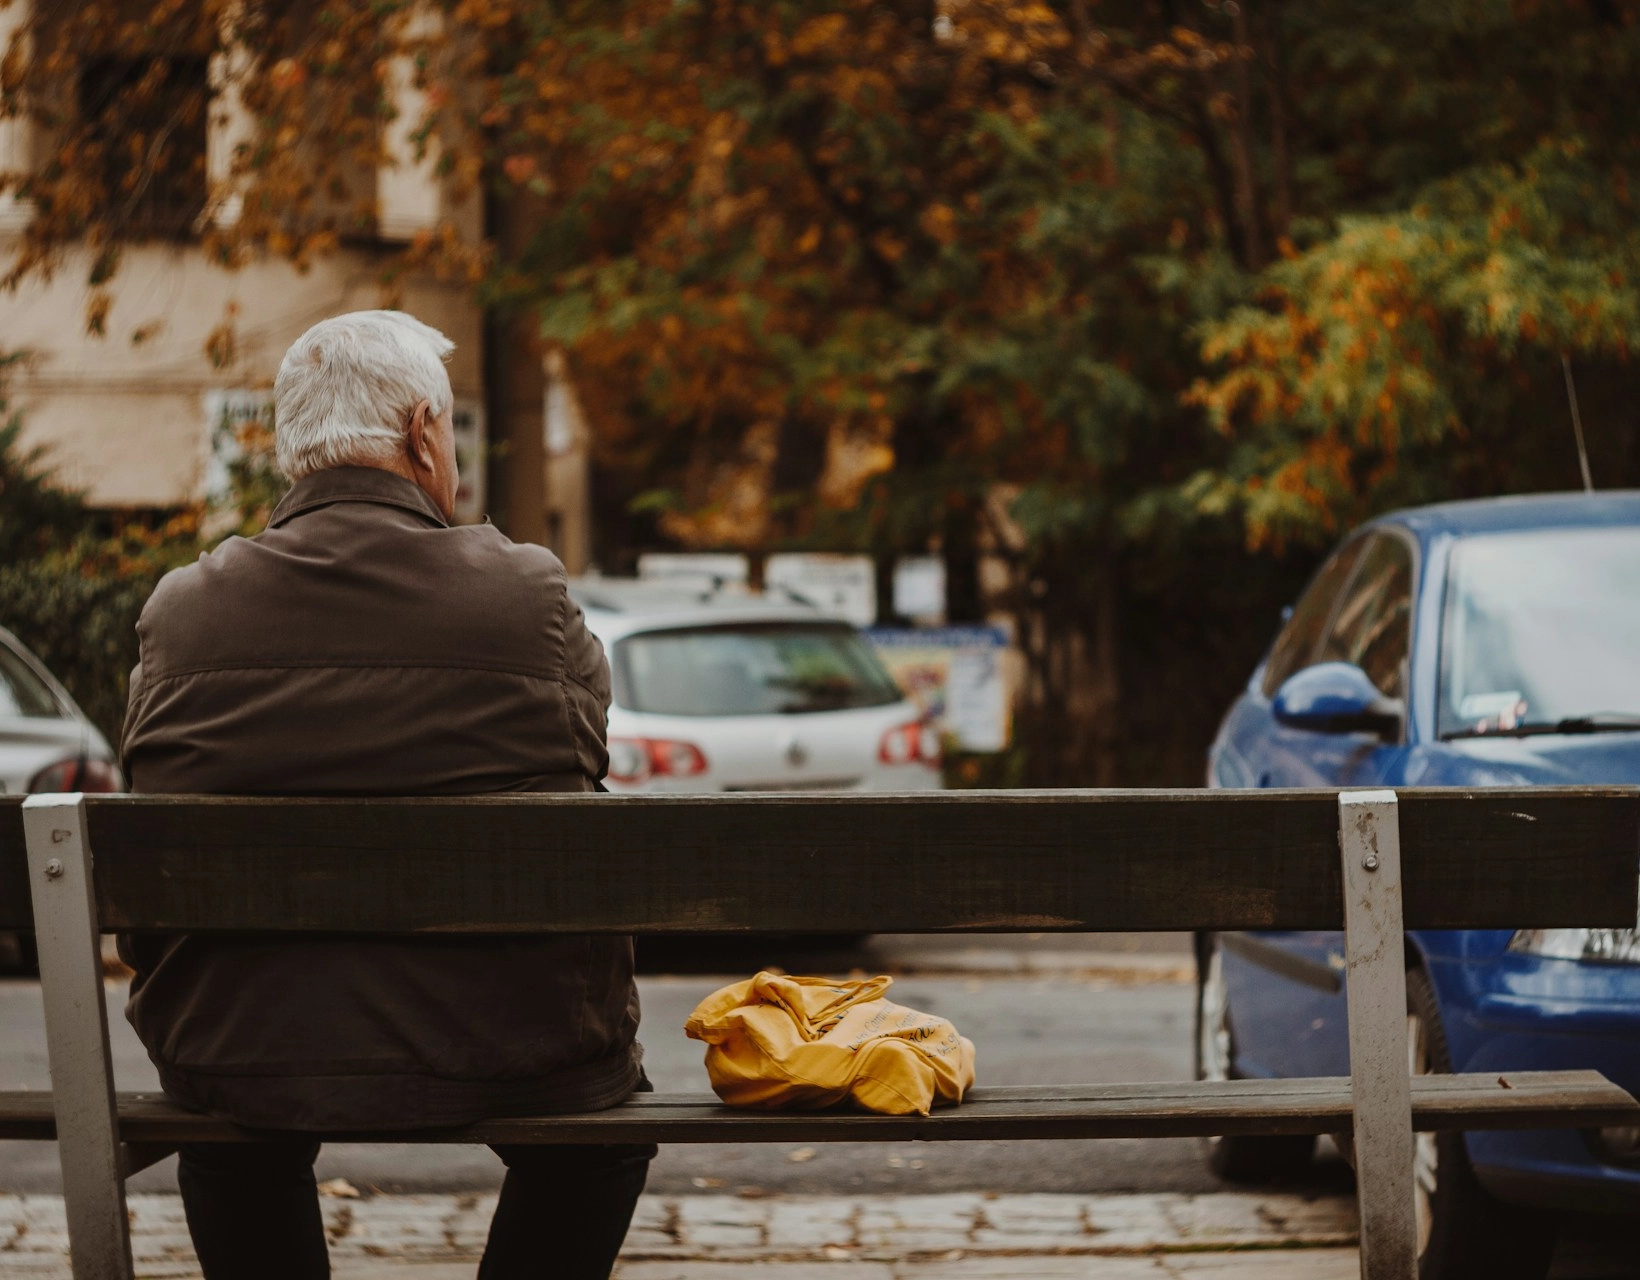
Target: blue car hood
1546,760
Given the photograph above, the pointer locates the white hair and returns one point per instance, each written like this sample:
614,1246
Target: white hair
347,387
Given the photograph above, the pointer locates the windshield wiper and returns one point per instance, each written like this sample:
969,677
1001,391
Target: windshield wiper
1598,722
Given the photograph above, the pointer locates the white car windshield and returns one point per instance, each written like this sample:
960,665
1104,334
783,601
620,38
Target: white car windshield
22,693
749,670
1539,635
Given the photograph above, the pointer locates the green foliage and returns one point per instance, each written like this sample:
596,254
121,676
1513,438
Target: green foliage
986,770
1174,279
72,592
1115,289
253,484
1411,348
77,612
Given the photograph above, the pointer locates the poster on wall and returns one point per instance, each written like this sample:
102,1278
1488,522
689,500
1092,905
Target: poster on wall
238,421
957,675
468,417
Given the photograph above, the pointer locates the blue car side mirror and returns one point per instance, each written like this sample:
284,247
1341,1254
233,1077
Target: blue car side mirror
1337,697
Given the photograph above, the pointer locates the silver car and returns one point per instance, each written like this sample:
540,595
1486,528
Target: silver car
717,690
46,744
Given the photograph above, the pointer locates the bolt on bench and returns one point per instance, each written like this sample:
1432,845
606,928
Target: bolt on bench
930,863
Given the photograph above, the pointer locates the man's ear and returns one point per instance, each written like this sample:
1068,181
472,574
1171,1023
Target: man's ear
415,438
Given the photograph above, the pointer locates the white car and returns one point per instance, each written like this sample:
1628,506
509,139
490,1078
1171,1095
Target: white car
46,743
731,692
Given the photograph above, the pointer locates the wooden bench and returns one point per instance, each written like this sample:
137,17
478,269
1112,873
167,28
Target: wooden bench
1068,861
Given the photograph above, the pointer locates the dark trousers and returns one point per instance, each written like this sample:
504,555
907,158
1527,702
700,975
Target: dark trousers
253,1210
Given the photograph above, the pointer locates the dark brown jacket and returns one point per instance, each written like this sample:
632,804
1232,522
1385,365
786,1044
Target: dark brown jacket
361,646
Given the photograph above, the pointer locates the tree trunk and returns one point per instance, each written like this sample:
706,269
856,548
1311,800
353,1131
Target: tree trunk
1113,141
1241,145
1070,725
882,573
1225,188
959,547
1280,113
1105,677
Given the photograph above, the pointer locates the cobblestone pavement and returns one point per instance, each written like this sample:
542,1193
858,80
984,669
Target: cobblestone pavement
963,1236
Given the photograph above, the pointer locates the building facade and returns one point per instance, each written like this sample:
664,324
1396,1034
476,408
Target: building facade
135,417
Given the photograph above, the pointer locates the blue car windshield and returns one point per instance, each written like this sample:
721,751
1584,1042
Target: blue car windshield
1540,633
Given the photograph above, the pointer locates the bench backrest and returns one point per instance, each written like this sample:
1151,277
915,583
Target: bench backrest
1014,860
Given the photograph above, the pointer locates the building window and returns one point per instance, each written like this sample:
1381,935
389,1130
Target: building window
146,127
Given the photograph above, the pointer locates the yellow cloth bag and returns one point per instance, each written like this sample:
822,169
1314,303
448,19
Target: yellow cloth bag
803,1043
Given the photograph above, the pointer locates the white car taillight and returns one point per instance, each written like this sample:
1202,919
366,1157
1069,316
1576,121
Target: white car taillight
628,761
78,774
634,759
914,743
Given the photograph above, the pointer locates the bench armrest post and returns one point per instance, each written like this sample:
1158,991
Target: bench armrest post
82,1074
1369,840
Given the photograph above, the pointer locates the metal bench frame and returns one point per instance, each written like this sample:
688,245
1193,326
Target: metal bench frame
87,1113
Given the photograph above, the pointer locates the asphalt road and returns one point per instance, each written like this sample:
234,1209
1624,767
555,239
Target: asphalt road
1041,1010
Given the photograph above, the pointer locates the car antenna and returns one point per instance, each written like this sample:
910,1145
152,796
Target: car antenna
795,596
1577,423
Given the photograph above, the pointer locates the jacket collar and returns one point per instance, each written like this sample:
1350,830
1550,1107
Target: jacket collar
354,484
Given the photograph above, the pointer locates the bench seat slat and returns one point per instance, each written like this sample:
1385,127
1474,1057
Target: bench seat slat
1549,1099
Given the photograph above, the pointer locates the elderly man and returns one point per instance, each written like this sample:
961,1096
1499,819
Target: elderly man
363,645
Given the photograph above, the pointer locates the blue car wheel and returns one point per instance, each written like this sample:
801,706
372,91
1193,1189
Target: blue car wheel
1463,1231
1239,1157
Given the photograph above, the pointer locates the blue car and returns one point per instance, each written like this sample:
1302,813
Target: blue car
1472,644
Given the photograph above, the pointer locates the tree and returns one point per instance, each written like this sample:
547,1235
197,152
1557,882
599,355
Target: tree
72,587
846,272
1420,344
1110,289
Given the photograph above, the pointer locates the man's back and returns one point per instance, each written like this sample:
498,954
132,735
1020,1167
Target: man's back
363,647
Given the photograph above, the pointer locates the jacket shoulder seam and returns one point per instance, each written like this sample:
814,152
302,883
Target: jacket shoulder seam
579,683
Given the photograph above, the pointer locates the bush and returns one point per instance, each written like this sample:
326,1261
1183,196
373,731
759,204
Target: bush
76,607
72,592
